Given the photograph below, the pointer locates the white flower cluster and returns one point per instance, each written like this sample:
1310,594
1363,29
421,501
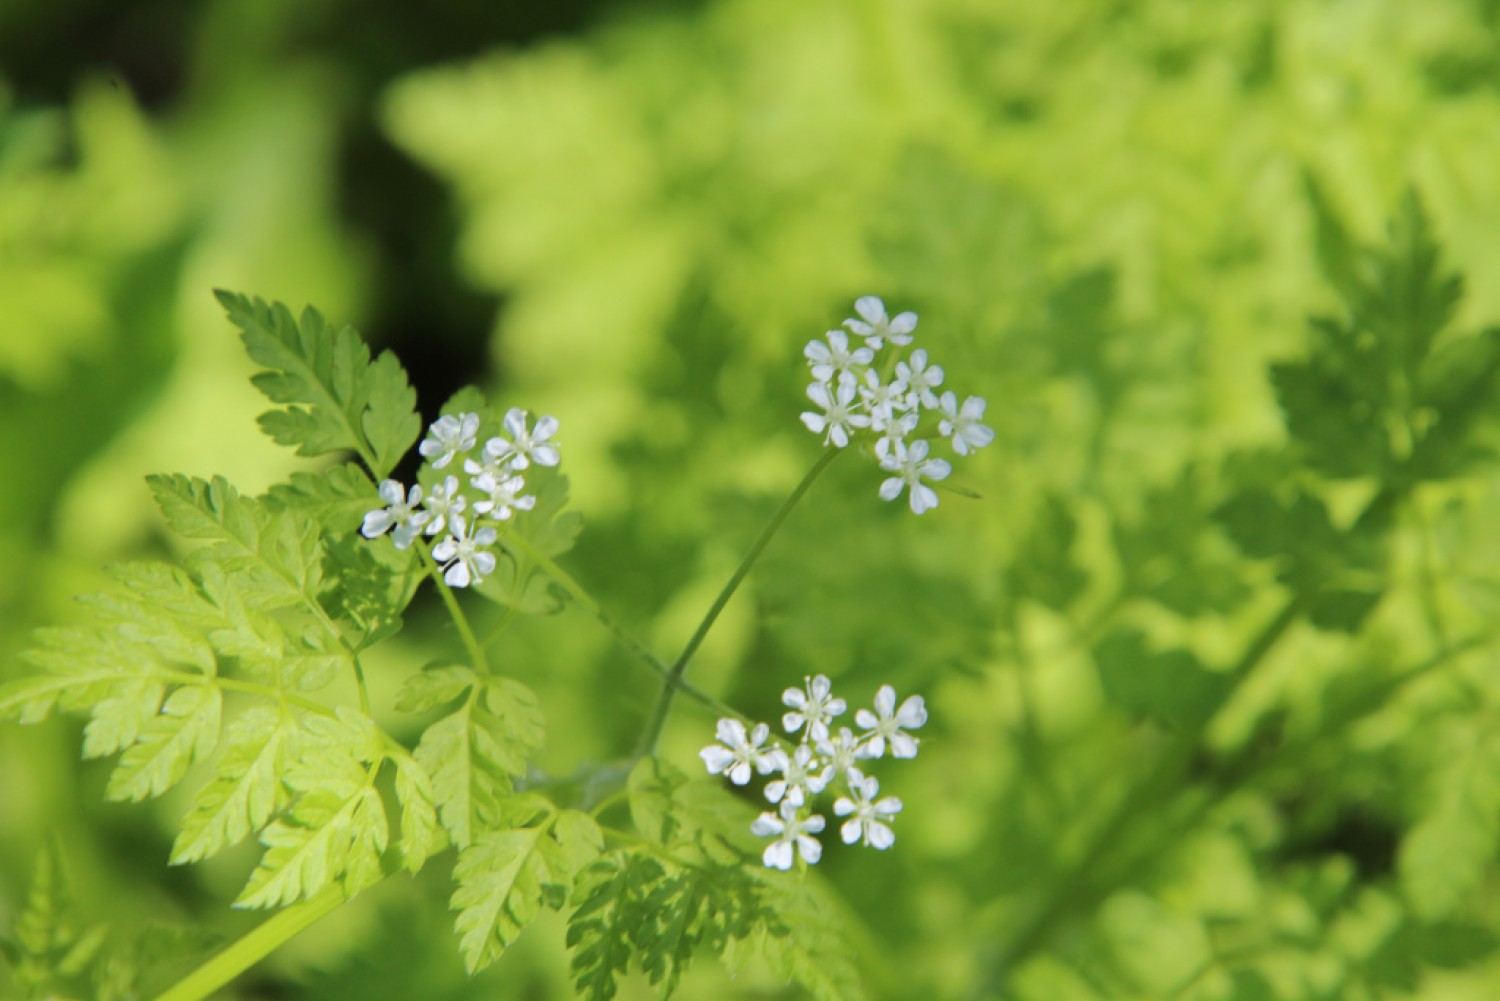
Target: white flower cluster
887,400
821,761
457,513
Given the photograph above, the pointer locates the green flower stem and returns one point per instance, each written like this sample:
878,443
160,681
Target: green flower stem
460,621
674,676
259,943
621,635
576,591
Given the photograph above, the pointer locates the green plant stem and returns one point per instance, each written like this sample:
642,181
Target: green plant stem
251,948
674,676
621,635
576,591
456,612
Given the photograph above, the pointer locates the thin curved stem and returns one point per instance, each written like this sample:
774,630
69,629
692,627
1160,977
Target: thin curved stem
456,612
674,675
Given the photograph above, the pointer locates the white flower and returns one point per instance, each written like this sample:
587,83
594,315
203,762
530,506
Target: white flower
741,753
835,357
525,447
494,461
841,751
447,437
876,327
504,496
401,514
910,464
890,724
803,775
812,705
463,559
882,401
443,503
788,830
962,425
921,377
894,433
837,420
870,822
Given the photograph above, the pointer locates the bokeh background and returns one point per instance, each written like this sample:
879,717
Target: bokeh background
633,216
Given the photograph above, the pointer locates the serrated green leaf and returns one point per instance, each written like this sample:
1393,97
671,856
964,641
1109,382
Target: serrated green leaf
475,754
346,401
505,876
246,790
186,730
603,931
277,554
338,498
336,827
421,834
435,685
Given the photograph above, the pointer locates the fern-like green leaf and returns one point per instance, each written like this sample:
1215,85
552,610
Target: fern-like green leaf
336,827
505,876
277,554
475,754
246,791
340,399
421,834
186,730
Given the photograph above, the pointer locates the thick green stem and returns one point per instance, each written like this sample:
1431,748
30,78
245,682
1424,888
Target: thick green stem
673,679
253,947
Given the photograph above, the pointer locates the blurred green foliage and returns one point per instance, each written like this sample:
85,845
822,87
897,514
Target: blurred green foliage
1210,663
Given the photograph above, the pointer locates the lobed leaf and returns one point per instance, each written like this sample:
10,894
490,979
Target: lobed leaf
246,790
342,401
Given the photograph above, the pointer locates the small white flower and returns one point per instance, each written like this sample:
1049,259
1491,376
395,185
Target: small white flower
834,357
525,446
837,421
890,724
910,464
882,401
464,560
962,425
447,437
504,496
804,775
872,817
921,377
876,327
812,705
494,461
894,433
401,514
443,503
738,753
789,830
842,751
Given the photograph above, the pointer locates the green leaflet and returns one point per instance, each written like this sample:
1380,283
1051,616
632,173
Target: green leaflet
475,753
343,400
657,913
186,730
421,834
245,791
1170,686
336,827
505,876
276,556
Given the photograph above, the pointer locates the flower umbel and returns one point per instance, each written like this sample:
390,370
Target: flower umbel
818,764
885,400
